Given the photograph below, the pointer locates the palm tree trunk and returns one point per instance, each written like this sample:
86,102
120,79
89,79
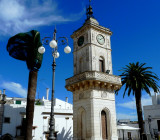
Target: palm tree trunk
139,113
32,85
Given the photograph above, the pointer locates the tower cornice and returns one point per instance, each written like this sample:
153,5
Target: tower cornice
91,23
93,79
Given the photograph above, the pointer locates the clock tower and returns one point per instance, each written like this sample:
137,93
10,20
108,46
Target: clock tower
93,83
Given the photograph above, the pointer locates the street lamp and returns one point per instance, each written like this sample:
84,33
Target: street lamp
53,44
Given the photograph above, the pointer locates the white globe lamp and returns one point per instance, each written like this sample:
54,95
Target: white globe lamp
53,44
67,49
41,50
56,54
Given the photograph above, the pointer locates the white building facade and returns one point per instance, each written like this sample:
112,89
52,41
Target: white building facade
128,130
15,115
152,118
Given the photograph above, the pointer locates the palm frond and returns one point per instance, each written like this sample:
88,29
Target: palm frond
24,46
137,77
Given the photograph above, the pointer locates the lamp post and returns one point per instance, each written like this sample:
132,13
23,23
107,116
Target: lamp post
53,44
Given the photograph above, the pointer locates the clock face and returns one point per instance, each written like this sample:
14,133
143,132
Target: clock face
80,41
100,39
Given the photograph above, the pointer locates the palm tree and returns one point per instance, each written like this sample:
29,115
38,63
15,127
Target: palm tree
24,46
136,78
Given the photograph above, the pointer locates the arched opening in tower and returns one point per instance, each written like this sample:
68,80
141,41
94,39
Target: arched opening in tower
83,129
104,125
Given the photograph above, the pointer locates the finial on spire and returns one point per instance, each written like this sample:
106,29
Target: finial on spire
54,33
89,11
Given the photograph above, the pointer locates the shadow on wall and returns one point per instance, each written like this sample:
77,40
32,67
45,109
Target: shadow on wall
63,135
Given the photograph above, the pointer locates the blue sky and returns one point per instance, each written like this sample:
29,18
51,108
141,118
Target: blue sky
136,37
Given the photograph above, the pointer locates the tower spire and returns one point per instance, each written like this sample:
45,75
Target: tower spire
89,11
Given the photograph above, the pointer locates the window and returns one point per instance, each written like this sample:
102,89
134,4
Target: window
158,123
23,123
6,120
18,102
129,135
101,64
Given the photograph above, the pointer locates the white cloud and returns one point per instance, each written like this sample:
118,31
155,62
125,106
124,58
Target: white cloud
19,16
15,87
126,116
10,10
146,100
130,105
133,113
